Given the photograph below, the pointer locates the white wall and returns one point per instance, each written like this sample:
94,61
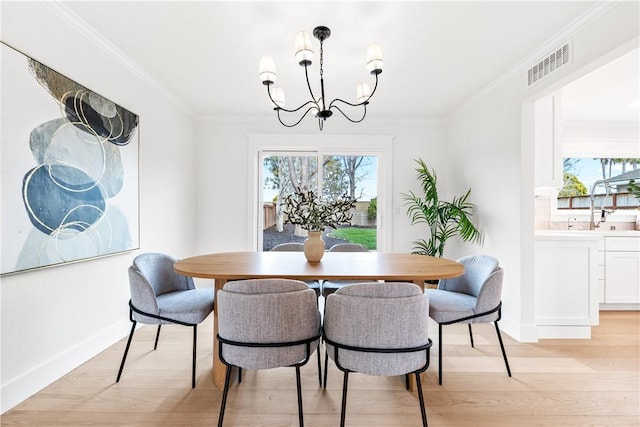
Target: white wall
223,164
56,318
490,148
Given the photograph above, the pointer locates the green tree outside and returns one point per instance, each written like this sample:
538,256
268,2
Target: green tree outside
572,186
372,209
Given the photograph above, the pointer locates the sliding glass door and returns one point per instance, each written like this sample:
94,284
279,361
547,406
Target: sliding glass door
336,175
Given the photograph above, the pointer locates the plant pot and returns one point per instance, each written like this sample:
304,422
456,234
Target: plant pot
314,246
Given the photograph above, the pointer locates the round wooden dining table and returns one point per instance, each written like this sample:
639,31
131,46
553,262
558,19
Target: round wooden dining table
365,266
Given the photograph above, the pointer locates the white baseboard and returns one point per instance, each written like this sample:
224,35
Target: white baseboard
518,331
18,389
564,332
619,307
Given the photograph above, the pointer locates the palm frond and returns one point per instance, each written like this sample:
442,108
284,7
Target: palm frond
445,219
429,183
416,208
423,247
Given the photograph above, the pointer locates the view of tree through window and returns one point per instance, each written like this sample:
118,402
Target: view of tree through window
581,173
335,176
599,183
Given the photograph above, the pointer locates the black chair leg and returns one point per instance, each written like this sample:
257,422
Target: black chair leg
423,411
439,353
126,350
406,381
319,366
470,334
504,353
239,375
344,398
326,364
225,392
299,387
155,345
193,365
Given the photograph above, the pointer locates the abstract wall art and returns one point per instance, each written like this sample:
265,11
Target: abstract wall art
69,169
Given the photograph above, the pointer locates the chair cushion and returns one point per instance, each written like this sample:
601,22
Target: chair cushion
380,290
446,306
348,247
330,286
264,286
476,270
289,247
191,306
382,316
157,269
267,311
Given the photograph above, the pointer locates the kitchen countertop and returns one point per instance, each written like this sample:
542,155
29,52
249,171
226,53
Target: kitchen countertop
586,234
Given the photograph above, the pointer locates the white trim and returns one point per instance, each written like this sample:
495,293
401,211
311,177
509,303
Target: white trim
564,332
518,331
523,65
112,50
619,307
374,145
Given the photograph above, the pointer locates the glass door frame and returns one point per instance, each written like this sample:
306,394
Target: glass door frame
379,146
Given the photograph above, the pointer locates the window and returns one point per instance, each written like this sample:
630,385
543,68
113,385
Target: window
354,165
606,178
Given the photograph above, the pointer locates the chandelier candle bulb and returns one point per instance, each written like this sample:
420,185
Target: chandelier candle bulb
277,95
374,59
363,93
303,48
267,70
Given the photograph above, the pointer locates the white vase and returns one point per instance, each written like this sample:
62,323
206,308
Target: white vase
314,246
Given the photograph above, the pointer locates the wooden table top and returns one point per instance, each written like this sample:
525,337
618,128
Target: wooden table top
334,265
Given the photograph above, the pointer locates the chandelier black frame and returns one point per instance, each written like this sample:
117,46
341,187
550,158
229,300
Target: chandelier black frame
318,105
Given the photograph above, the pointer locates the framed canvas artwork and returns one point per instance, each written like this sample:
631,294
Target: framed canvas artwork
69,169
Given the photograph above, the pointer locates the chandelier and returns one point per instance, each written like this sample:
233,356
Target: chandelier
318,106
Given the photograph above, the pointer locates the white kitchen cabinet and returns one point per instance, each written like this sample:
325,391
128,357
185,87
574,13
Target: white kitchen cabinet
566,284
622,270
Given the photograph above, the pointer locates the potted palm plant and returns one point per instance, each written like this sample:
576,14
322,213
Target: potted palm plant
444,219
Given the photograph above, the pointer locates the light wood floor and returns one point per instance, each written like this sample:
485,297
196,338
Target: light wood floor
555,383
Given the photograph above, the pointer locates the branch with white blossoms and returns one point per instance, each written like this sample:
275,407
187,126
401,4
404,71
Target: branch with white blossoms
305,209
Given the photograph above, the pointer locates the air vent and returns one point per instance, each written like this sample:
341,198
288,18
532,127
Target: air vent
549,63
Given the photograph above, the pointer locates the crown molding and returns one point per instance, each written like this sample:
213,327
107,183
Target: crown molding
565,34
76,22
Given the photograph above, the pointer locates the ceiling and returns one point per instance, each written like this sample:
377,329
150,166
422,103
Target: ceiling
437,54
609,93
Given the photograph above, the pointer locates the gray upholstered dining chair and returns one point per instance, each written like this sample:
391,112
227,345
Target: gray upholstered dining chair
159,296
264,324
316,285
298,247
378,329
474,297
330,286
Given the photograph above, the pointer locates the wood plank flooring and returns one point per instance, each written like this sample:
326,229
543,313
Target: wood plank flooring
555,383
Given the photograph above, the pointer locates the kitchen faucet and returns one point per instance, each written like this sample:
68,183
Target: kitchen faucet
603,212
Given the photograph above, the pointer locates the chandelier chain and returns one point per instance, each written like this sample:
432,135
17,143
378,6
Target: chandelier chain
321,60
